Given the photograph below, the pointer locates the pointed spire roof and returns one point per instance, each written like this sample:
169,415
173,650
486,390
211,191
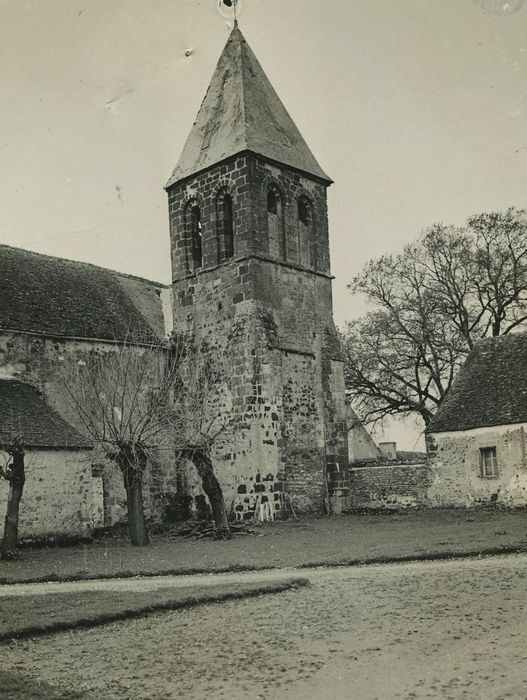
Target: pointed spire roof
242,112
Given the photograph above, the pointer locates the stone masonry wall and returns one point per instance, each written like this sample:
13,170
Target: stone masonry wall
269,319
392,486
454,460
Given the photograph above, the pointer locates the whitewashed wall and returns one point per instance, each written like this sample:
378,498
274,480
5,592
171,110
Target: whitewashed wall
454,459
58,494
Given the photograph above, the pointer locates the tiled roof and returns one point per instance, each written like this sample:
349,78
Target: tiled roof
242,112
49,295
23,413
490,389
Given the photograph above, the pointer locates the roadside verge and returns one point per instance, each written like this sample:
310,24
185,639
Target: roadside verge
45,613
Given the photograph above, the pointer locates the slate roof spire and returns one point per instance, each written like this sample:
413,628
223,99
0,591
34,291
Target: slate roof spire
242,112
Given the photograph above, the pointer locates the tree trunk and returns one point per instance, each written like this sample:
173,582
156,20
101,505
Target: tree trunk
136,517
132,462
212,488
16,477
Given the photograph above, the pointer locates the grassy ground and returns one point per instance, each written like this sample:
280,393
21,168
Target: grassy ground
31,615
316,541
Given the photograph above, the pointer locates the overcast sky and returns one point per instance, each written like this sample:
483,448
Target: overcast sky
416,108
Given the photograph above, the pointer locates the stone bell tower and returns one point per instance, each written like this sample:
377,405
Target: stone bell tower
251,277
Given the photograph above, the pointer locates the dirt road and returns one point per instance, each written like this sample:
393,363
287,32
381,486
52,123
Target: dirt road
451,629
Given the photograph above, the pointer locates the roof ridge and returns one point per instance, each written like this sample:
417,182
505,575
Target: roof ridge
84,263
253,58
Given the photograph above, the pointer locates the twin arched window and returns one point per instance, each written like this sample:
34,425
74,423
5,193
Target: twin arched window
299,246
224,231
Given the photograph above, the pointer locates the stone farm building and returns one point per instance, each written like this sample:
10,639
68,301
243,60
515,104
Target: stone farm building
250,276
476,441
61,495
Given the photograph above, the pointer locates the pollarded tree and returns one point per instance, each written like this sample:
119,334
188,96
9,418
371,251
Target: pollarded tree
139,399
431,303
115,396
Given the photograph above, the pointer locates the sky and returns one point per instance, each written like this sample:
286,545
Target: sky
417,109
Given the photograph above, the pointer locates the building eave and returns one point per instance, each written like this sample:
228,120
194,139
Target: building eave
326,182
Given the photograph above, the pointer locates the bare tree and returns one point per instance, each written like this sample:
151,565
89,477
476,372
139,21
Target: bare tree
501,266
478,274
114,395
431,303
14,472
137,400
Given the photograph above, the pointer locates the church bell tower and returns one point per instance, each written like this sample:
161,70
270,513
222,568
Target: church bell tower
251,277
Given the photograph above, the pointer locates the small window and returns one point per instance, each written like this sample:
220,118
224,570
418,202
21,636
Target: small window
275,224
196,246
304,215
225,226
488,462
273,200
306,232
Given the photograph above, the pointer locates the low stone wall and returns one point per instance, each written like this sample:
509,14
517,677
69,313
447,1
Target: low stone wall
389,486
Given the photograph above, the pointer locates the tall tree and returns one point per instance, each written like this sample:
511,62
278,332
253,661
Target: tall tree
431,303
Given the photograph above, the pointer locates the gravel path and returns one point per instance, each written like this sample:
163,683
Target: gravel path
449,630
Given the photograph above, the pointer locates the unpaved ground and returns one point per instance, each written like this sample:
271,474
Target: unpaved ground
38,614
150,583
310,541
450,629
